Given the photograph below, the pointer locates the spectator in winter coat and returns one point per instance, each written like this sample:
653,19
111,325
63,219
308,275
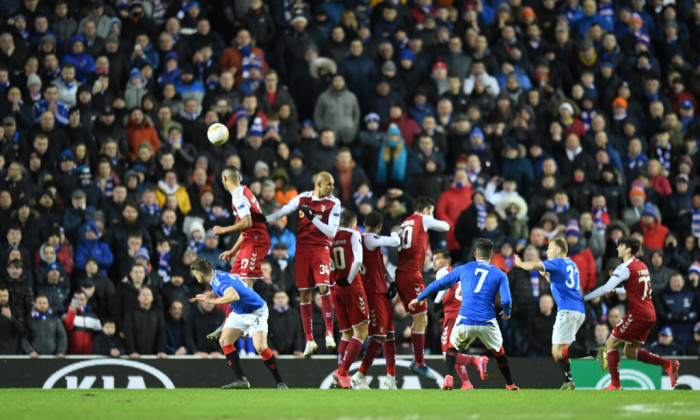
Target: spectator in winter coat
45,333
360,72
451,204
175,329
513,211
170,186
348,175
125,299
654,232
582,257
240,55
660,274
144,328
54,284
20,289
338,109
204,318
81,324
91,246
84,63
108,343
666,345
471,221
139,130
177,290
539,330
286,335
391,161
679,309
11,324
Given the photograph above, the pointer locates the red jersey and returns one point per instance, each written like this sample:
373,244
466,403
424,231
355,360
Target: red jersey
327,211
414,241
373,270
346,251
635,277
244,203
452,299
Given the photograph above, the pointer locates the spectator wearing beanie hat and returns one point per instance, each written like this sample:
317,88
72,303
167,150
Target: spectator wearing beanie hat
582,257
638,197
654,232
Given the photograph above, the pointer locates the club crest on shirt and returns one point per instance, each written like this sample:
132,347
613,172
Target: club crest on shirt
323,209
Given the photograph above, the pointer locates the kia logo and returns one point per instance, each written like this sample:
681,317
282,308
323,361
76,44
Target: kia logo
88,379
410,381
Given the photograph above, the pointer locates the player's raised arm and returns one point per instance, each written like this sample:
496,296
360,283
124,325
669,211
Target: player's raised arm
434,287
287,209
331,228
619,275
431,223
528,266
373,241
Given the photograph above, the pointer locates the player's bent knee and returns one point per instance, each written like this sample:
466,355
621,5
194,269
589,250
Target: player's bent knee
630,352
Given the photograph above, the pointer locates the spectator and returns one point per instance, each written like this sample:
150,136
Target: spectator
20,288
175,329
337,108
451,204
349,175
81,324
654,232
204,318
666,345
601,333
660,274
45,334
91,246
472,220
614,317
170,186
54,284
107,342
391,161
125,299
286,335
679,309
240,55
211,251
538,333
144,328
693,348
11,326
582,257
138,130
280,234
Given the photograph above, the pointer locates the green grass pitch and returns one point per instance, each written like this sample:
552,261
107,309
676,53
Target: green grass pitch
193,404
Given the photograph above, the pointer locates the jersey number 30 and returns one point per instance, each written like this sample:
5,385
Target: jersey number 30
338,259
406,236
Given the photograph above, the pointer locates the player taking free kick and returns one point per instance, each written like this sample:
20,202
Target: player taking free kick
480,282
409,273
634,327
564,277
348,294
248,317
451,300
318,214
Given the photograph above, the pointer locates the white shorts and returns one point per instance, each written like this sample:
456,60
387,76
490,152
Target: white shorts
463,335
566,326
248,323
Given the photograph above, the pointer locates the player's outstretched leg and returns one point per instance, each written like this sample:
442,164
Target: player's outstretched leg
480,362
670,366
228,337
260,343
504,366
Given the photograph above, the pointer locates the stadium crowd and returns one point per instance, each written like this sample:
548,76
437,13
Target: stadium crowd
524,120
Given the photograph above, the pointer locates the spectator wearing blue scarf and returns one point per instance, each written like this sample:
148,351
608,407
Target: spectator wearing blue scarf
391,160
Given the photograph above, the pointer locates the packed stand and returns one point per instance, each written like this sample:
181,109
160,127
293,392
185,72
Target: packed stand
524,120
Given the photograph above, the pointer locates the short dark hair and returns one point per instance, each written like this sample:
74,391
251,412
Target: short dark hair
232,172
443,253
633,245
16,263
484,248
560,243
422,203
201,265
374,219
347,217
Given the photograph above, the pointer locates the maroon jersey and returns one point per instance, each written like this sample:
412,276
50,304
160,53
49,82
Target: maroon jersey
244,203
346,249
637,284
326,210
373,270
452,299
414,244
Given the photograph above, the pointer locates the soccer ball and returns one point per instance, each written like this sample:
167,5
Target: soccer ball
217,134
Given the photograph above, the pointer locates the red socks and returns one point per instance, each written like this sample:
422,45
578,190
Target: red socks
371,353
465,359
341,350
614,366
307,314
351,353
650,358
390,356
462,372
327,307
565,353
418,341
267,354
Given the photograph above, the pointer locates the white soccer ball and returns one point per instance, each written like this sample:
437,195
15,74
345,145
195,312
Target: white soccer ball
217,134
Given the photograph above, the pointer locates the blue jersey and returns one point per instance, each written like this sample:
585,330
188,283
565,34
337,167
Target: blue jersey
565,281
248,301
480,281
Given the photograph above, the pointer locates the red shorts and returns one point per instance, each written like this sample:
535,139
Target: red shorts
351,310
447,326
409,286
631,329
249,260
381,315
312,267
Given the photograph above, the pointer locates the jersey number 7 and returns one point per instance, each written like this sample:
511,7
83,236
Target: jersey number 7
482,276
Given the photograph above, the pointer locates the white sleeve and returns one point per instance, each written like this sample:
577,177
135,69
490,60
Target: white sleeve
620,274
490,193
439,295
241,204
430,223
373,241
356,242
331,228
288,208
